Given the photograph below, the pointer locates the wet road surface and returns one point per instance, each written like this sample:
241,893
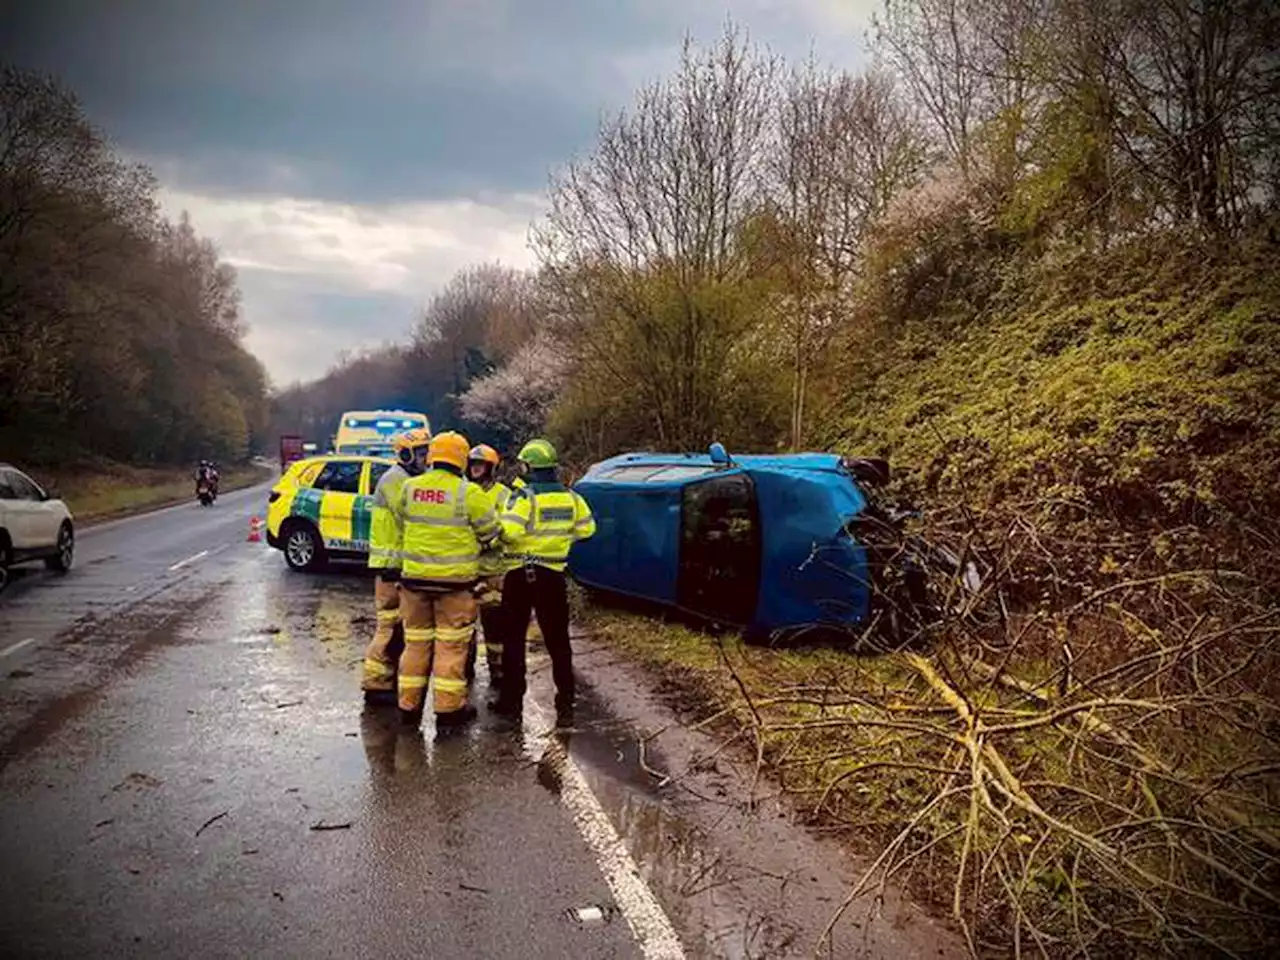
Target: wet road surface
186,770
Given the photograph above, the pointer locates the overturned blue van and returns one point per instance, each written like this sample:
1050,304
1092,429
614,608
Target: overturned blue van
766,543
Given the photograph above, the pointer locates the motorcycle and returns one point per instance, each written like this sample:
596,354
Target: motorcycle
205,493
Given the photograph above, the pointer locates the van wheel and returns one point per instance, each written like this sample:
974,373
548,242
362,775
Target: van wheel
61,561
303,548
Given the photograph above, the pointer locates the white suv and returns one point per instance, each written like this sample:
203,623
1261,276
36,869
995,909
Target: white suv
33,525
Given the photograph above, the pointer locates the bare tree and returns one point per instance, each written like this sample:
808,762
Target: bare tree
933,45
642,246
1198,81
847,146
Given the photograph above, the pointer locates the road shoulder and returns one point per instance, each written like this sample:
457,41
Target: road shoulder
730,857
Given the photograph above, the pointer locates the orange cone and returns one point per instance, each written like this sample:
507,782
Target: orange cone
255,530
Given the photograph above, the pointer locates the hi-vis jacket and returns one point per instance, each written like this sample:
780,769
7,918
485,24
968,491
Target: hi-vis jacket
496,560
542,521
385,530
447,520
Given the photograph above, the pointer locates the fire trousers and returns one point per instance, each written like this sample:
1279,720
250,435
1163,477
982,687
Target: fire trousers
388,638
438,625
545,593
489,598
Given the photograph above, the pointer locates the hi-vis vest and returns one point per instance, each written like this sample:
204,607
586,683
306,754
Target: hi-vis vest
446,521
384,531
496,560
542,521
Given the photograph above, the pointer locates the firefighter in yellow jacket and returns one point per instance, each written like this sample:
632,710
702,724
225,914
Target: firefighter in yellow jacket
543,519
447,521
482,468
380,657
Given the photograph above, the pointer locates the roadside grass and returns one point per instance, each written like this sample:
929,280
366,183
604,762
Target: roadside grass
1129,807
785,712
105,491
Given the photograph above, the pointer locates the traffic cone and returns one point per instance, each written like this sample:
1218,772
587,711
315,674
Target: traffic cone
255,530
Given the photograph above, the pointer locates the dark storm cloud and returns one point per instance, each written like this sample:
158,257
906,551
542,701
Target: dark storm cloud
327,146
360,102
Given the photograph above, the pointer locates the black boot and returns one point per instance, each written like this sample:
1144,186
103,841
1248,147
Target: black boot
564,710
506,707
456,718
379,698
411,719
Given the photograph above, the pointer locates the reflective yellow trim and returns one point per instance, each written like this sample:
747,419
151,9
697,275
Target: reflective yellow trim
377,670
419,636
448,685
453,634
407,682
439,560
388,616
437,521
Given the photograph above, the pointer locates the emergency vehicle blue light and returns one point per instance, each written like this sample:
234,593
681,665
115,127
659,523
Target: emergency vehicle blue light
406,423
384,424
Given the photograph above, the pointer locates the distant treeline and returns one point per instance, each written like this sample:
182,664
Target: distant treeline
120,332
477,324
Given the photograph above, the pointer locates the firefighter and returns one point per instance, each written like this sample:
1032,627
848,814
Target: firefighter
542,521
447,522
482,468
380,657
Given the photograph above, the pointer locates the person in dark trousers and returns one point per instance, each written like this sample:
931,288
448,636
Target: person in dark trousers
541,521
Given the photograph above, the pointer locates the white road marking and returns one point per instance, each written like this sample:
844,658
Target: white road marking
649,923
17,646
182,563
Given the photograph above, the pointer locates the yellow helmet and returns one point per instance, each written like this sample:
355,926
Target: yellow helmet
408,444
449,447
484,453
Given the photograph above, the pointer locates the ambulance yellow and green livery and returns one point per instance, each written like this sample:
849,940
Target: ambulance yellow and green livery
322,507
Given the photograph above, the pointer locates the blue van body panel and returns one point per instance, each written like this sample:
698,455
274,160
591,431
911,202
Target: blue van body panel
812,572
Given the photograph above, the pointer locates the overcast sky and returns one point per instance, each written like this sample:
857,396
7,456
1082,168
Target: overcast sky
349,156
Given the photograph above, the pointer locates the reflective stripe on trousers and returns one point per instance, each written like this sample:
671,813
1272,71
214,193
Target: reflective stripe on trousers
379,658
437,633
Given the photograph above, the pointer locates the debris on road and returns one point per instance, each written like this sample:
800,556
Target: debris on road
289,703
136,779
212,820
331,826
467,886
595,913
